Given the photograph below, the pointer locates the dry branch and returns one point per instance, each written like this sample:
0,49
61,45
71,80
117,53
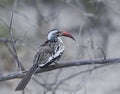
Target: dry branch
19,74
6,40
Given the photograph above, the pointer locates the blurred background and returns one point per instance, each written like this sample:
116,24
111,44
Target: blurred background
95,24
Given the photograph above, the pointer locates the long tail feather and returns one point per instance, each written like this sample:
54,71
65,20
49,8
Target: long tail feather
26,78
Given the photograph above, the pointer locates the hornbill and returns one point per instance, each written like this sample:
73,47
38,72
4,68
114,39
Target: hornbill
49,52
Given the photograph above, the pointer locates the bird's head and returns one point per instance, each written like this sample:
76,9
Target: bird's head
54,34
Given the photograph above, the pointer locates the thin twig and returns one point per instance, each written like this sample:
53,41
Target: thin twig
101,49
12,52
42,84
12,39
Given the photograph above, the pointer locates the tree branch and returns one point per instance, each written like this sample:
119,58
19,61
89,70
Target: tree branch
20,74
6,40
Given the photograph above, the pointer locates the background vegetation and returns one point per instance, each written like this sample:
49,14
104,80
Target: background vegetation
94,23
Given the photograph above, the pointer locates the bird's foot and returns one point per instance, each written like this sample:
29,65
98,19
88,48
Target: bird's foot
19,70
56,63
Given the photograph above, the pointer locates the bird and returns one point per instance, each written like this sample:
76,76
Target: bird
49,52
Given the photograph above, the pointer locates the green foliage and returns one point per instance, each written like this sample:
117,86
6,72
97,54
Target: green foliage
3,31
6,2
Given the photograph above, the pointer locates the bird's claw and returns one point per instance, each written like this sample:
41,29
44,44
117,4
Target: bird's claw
56,63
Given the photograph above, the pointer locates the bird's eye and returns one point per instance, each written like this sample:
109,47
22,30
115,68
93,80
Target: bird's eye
57,33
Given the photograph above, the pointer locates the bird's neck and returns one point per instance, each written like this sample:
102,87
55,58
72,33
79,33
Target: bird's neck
57,42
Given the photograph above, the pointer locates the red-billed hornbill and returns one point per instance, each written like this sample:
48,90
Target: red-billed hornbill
49,52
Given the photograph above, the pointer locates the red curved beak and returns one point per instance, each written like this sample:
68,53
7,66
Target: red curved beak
67,35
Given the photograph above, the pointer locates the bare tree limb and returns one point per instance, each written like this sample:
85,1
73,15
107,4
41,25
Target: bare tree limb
19,74
6,40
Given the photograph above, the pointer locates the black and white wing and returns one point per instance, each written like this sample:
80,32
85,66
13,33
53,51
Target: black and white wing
41,57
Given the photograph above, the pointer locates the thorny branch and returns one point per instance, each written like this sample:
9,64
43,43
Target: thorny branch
20,74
